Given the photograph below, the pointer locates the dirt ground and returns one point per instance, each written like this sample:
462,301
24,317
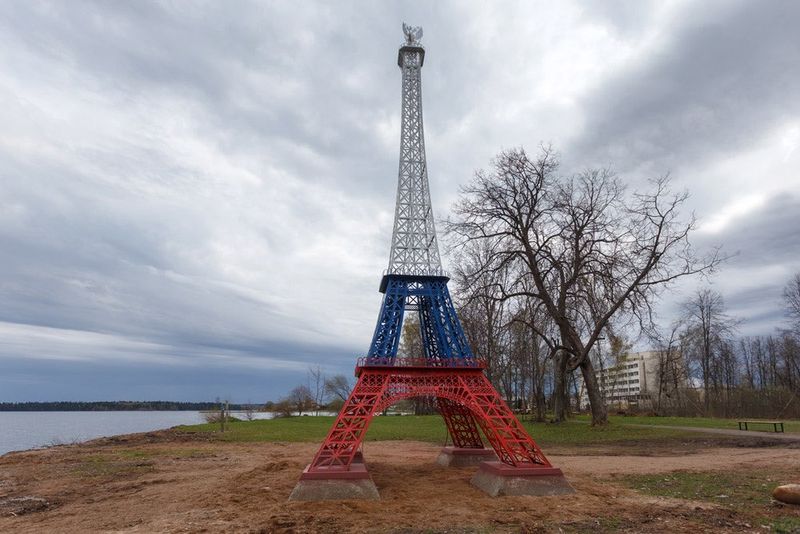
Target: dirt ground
166,482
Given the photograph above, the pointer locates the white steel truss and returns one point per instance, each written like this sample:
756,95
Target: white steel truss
414,247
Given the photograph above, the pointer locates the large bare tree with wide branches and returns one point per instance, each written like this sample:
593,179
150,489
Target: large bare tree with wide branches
791,297
585,249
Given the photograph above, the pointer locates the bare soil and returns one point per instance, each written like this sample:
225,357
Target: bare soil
168,482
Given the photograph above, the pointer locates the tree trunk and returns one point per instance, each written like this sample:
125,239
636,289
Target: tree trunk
541,406
425,405
596,401
560,387
538,399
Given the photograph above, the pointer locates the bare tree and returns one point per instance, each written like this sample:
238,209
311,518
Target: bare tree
220,416
671,371
530,347
411,339
283,408
791,296
707,330
338,386
615,357
249,411
301,399
580,245
316,385
483,311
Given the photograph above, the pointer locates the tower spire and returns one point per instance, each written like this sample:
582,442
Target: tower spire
414,251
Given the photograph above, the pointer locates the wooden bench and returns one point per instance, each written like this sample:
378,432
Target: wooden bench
775,424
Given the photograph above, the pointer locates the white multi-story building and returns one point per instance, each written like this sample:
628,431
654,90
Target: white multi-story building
632,380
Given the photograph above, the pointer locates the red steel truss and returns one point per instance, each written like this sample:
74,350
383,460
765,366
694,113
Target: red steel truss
460,424
466,399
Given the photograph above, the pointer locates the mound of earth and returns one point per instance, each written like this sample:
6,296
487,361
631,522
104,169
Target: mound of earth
166,482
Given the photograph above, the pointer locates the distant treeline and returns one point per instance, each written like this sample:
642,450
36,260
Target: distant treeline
107,406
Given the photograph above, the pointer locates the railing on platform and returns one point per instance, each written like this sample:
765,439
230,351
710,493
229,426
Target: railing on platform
384,361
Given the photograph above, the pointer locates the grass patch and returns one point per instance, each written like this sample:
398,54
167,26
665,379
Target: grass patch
700,422
578,433
315,428
105,466
725,488
125,462
428,428
743,492
785,525
133,454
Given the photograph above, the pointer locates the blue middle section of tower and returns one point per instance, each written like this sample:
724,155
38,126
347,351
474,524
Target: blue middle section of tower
443,338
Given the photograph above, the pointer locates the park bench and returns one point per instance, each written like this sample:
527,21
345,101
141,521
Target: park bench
775,424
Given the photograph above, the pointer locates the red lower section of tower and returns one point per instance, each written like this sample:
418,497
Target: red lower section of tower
467,401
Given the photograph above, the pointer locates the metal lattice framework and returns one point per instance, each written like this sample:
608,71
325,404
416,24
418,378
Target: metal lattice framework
448,370
414,248
460,424
470,402
442,336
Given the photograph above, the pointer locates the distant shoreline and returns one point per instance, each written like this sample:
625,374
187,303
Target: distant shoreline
115,406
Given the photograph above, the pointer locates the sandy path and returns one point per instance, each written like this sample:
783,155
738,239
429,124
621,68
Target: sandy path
748,434
195,486
707,460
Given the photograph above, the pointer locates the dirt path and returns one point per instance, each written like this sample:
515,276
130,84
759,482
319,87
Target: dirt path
155,484
782,436
718,459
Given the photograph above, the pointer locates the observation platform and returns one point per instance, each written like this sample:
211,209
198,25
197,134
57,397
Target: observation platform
408,364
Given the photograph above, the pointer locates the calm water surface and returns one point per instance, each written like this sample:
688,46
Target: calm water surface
28,430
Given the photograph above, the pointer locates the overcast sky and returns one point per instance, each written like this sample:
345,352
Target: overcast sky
196,200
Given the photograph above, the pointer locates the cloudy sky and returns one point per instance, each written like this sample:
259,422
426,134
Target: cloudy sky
196,199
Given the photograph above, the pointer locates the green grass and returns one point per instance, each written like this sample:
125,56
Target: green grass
725,488
785,525
314,428
126,462
133,454
428,428
702,422
101,465
745,492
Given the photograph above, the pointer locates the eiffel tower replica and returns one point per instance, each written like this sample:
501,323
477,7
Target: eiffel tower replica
447,371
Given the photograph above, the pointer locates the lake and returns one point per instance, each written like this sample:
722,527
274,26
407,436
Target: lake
29,430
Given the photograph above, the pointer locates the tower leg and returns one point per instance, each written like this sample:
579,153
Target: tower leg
460,424
523,468
467,449
501,427
344,438
337,470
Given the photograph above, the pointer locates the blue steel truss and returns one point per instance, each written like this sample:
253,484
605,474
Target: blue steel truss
442,335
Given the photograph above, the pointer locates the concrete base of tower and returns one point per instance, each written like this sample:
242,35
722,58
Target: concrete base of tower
461,457
497,479
335,485
335,490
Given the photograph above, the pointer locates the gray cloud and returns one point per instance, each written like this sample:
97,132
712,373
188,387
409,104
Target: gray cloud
764,250
768,236
197,201
712,87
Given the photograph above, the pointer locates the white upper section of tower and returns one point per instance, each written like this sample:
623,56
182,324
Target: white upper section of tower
414,247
